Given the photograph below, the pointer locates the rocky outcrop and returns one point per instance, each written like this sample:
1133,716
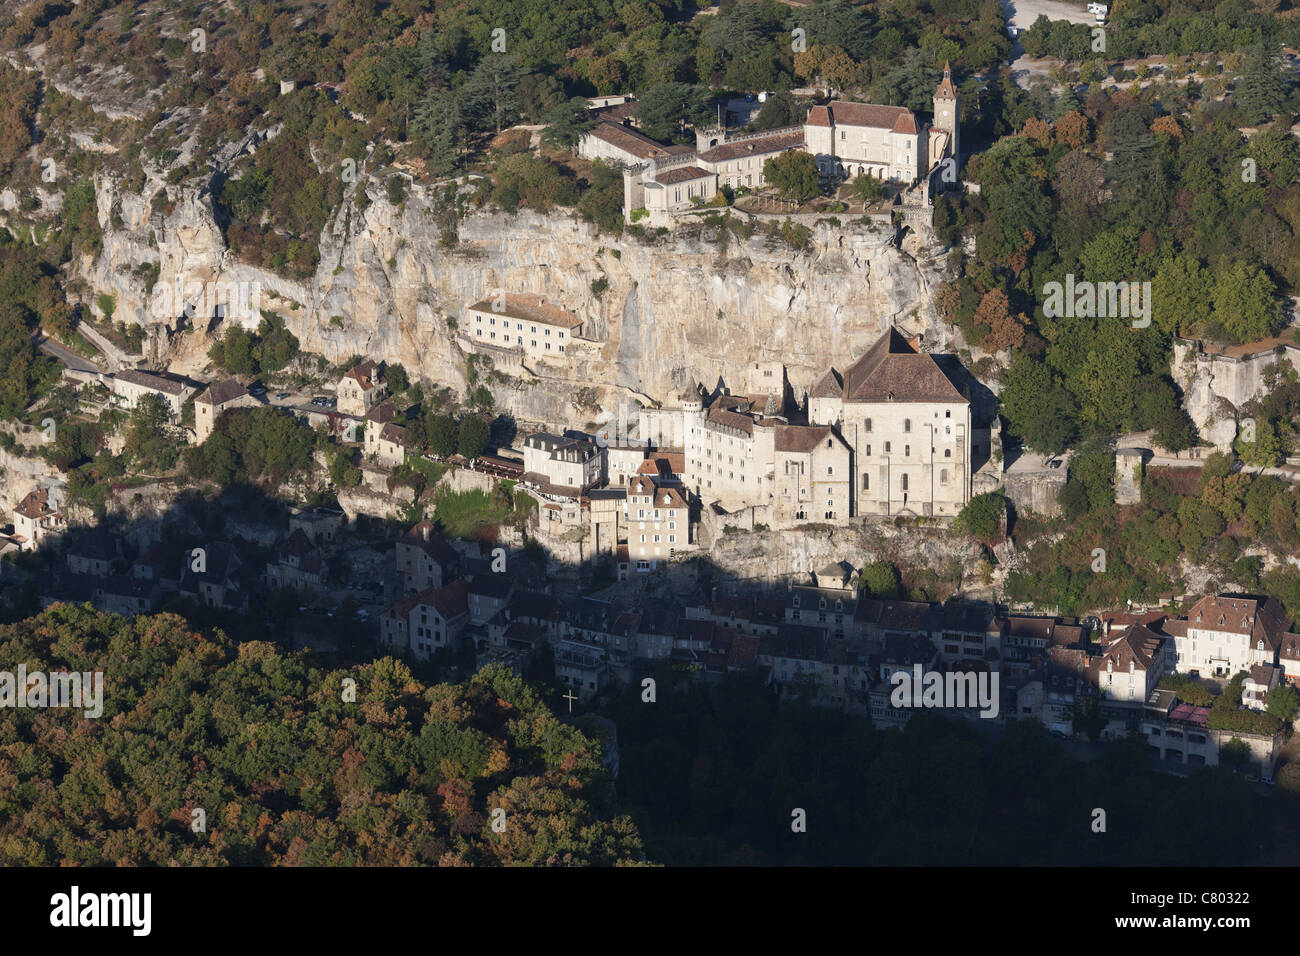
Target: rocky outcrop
681,307
1216,385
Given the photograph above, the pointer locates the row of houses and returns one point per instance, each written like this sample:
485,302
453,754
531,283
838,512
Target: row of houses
96,569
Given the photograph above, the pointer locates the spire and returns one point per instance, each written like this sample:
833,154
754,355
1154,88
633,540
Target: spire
946,90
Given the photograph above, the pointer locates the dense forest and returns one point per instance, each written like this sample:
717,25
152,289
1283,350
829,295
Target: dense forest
286,768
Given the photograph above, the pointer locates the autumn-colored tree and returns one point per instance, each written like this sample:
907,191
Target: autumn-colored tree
1038,132
1005,328
1072,130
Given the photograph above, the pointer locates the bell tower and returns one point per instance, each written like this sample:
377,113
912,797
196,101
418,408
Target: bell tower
945,111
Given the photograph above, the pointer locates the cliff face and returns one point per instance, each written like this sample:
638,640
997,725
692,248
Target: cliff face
686,306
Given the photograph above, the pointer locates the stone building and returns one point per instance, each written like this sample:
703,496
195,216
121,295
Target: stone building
891,435
360,389
537,329
215,399
130,385
1229,633
908,426
37,519
658,522
562,466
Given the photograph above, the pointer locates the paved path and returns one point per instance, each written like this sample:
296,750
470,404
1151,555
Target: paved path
68,357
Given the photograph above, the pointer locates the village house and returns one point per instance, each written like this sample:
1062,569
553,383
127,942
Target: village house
297,564
1255,687
93,551
130,385
318,524
658,522
390,448
428,621
360,389
607,519
376,419
425,559
580,668
488,596
656,631
38,520
1131,665
562,466
216,577
1230,633
215,399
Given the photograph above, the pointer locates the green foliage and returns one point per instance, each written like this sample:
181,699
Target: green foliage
982,516
880,580
288,773
149,438
270,349
1188,690
107,305
793,174
252,444
473,436
1283,703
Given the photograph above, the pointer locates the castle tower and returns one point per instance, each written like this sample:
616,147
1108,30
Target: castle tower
945,110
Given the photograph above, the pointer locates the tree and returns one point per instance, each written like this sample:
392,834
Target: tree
778,111
667,109
1264,450
567,121
1234,754
1180,291
793,174
148,437
473,437
396,379
1261,92
880,579
234,352
1245,304
538,93
866,189
1283,702
442,435
981,518
490,92
1005,330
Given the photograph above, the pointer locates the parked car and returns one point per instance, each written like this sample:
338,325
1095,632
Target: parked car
281,396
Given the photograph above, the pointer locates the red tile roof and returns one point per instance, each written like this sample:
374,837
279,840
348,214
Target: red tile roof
899,119
682,174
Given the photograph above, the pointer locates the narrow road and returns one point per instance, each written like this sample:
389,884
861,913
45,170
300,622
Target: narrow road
69,358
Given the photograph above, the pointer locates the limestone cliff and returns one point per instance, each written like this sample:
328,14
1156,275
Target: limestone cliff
687,305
